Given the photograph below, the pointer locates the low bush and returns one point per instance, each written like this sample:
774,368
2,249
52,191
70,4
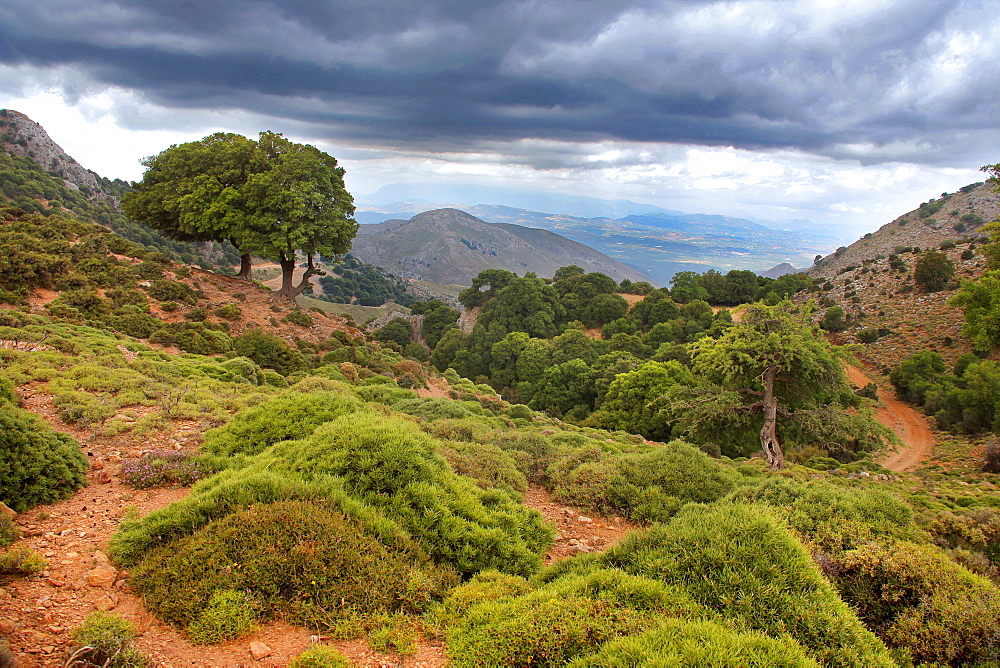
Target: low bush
289,416
648,486
8,531
915,597
678,642
229,312
293,558
739,561
20,560
320,656
105,639
298,317
162,469
37,465
269,352
228,615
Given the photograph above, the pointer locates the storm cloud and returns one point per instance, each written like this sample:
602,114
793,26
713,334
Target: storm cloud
873,81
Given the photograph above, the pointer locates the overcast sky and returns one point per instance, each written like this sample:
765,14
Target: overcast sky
846,112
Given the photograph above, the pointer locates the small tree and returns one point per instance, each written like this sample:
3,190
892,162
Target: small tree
834,320
933,271
772,370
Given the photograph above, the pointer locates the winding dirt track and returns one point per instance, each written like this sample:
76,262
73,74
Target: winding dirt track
909,425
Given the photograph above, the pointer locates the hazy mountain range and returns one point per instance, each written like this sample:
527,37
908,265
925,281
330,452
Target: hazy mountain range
657,242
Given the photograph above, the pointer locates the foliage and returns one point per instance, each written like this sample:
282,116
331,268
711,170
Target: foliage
980,300
774,364
105,639
833,320
320,656
37,465
227,615
291,557
648,486
677,642
269,352
398,330
298,317
438,319
498,623
24,182
933,271
634,400
20,560
285,417
162,469
739,561
272,197
8,531
914,597
357,282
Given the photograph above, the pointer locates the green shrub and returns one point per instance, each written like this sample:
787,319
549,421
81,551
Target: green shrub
37,464
7,393
8,531
538,631
488,465
20,560
197,314
320,656
269,352
298,317
229,312
830,517
294,558
285,417
193,337
647,486
739,561
105,639
914,597
166,290
677,642
228,615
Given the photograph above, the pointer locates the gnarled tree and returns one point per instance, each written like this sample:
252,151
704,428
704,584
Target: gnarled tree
774,372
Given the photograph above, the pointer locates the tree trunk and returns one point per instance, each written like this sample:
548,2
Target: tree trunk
288,290
245,267
768,437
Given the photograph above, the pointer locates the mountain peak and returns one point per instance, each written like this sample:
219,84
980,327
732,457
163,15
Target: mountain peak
22,136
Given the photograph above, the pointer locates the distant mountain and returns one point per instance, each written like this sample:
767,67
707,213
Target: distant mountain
780,270
449,246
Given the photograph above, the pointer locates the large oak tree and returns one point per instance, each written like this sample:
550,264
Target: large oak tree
270,197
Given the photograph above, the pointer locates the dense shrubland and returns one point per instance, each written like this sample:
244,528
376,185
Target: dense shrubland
24,184
341,477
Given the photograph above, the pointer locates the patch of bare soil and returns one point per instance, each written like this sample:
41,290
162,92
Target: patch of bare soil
578,533
437,388
909,425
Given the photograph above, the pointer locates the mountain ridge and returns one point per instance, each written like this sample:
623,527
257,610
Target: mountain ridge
450,246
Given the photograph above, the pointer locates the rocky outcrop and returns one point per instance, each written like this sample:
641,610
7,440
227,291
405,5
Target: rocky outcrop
22,136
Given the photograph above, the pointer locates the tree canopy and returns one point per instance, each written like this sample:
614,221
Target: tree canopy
271,197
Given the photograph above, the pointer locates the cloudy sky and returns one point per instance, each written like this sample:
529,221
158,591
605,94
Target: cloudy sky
845,112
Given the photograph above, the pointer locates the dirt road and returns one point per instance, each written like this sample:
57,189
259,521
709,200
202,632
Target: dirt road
909,425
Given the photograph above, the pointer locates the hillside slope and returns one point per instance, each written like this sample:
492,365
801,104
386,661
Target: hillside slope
449,246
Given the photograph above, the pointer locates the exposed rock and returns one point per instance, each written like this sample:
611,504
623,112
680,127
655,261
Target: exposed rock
259,650
5,510
102,577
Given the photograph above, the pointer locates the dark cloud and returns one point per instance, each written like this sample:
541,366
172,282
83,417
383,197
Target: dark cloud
754,75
